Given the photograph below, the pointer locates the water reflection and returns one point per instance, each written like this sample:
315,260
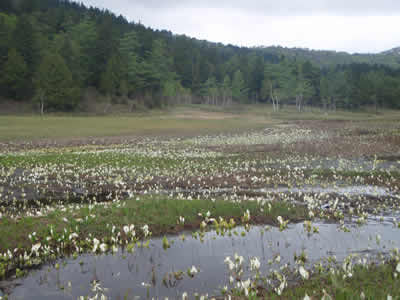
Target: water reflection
124,273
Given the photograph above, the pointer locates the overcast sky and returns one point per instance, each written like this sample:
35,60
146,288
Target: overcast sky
364,26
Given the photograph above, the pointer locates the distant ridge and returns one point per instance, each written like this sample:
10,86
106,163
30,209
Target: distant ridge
393,51
329,58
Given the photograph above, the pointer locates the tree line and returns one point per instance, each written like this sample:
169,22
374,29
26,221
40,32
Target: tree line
51,51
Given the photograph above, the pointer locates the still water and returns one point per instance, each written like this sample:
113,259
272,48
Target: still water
123,274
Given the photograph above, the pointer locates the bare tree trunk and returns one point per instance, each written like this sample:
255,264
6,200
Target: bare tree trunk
131,103
324,105
272,98
273,104
42,105
333,104
277,103
376,104
106,109
108,105
299,102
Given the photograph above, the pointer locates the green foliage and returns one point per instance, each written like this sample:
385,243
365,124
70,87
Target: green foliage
84,34
24,41
171,88
6,5
330,59
325,90
227,83
256,74
365,280
304,87
278,83
54,84
226,89
132,61
128,49
104,47
160,65
160,213
14,75
239,89
7,26
210,87
71,53
111,77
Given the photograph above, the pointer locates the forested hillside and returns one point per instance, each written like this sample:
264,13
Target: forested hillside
324,58
52,51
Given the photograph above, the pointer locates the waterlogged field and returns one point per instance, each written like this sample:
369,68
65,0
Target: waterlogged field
292,210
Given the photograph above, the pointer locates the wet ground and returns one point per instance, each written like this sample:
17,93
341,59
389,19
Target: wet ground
30,188
262,166
124,273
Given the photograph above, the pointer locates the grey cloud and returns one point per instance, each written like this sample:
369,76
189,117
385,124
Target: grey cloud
346,25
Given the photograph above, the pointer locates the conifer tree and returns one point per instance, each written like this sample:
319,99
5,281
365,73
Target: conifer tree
54,86
105,46
131,66
14,75
24,41
238,87
227,90
85,35
4,41
6,5
160,65
111,77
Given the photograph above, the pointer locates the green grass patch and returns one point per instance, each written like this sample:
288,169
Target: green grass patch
87,160
13,128
160,213
177,121
376,282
